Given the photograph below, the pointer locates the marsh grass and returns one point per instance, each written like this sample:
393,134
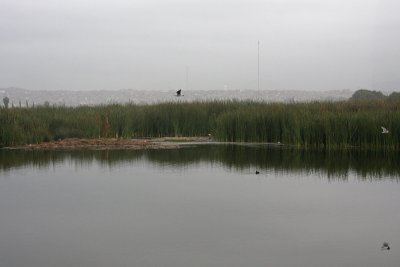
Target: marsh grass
310,125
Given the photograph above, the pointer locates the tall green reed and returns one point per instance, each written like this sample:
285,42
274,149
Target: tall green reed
315,124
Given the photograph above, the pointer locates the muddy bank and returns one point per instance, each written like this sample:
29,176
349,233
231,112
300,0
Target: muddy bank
99,143
113,143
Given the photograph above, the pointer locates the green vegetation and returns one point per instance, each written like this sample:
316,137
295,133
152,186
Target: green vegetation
363,94
6,100
310,125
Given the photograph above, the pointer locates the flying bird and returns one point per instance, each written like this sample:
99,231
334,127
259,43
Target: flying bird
179,92
257,172
385,246
384,130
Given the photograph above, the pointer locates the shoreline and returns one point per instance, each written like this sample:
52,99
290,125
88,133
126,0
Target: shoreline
111,143
129,144
157,143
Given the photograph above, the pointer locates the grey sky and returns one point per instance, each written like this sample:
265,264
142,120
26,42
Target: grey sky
150,44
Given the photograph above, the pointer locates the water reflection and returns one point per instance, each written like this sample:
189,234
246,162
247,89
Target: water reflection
332,164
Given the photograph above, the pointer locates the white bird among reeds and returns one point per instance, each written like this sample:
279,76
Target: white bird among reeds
384,130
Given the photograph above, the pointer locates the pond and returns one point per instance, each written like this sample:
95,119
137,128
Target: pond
199,205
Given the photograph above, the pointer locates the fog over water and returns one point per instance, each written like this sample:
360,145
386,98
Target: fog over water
20,97
199,45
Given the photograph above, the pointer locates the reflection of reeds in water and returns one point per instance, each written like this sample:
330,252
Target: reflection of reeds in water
332,163
311,125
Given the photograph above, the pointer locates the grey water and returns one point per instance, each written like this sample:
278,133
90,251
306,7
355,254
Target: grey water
199,206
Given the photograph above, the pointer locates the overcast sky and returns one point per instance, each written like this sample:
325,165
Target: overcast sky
161,44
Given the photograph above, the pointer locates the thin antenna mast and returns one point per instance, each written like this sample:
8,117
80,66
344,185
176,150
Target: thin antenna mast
258,66
187,77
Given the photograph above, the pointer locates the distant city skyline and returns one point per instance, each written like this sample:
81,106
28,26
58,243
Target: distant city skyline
200,45
76,98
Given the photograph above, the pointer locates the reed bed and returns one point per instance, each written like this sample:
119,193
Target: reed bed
310,125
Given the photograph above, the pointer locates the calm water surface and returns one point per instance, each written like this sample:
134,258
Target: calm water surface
199,206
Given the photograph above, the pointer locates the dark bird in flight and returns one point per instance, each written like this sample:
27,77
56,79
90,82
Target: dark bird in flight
257,172
385,246
179,92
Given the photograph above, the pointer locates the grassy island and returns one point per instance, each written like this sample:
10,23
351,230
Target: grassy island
310,125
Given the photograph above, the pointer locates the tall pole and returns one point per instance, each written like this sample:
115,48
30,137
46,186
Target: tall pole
258,66
187,78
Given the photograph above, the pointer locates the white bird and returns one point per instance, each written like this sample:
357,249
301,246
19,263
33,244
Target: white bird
385,246
384,130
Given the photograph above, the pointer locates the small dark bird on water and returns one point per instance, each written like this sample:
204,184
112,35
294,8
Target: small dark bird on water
179,92
385,246
257,172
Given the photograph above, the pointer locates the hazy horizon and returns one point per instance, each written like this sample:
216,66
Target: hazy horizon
199,45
